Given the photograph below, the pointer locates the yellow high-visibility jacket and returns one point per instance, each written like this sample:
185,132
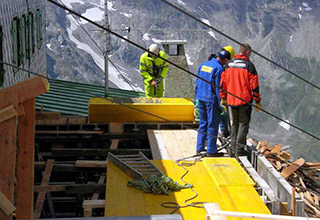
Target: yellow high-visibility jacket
151,68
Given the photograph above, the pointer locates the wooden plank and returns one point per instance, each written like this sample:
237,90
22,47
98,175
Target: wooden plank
115,128
5,205
7,113
91,163
25,160
210,208
69,132
63,121
171,146
20,109
8,130
293,202
72,188
29,88
276,149
157,146
186,145
44,182
100,181
286,172
48,115
114,144
92,204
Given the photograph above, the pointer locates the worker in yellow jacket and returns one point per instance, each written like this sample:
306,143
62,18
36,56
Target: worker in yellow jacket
154,70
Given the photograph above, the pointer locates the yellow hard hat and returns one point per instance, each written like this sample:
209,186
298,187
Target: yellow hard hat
230,50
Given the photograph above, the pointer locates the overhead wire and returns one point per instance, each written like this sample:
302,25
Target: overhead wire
239,43
103,52
187,71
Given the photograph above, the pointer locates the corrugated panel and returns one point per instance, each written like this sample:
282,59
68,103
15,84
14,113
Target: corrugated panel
73,98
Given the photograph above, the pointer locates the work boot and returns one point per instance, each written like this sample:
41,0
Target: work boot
201,153
217,154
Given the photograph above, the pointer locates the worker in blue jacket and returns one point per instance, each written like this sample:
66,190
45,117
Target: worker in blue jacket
209,101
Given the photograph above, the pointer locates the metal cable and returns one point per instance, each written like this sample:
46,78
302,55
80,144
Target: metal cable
187,71
238,42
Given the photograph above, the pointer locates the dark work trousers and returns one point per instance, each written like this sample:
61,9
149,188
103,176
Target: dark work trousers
240,119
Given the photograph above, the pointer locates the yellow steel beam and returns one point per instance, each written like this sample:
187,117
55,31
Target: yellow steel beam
127,201
173,109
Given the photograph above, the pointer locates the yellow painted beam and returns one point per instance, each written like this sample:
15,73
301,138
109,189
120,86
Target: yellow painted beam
173,109
127,201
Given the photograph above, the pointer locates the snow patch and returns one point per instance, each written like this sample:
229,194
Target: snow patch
306,6
146,37
94,14
110,6
181,2
291,37
68,3
158,41
126,14
212,35
300,9
285,125
190,63
49,46
114,76
205,21
300,16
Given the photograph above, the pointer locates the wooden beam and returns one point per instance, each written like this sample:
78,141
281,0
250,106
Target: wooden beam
115,128
25,160
114,144
8,131
87,212
5,205
286,172
48,115
42,195
20,109
69,132
72,189
92,204
91,163
210,208
63,121
29,88
7,113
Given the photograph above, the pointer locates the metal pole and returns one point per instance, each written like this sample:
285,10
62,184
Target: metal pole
106,50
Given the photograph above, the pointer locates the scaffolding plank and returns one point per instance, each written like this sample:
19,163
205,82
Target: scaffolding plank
42,195
8,130
25,160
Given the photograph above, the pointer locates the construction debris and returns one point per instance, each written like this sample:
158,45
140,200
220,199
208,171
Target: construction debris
303,176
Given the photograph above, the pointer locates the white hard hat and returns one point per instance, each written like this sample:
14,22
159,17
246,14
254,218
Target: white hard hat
154,48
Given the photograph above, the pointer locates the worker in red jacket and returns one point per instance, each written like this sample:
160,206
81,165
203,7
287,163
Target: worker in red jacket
240,78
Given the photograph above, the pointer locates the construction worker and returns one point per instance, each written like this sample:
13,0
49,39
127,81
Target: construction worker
154,70
209,101
240,78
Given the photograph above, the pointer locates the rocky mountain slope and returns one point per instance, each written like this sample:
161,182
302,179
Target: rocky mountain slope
284,31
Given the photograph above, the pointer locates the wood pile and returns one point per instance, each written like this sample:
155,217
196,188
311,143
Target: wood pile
304,176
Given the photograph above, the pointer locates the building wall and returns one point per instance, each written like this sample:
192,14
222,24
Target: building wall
37,61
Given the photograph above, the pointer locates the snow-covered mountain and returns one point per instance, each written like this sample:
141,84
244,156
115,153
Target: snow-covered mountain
287,32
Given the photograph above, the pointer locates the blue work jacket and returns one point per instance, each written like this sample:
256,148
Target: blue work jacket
211,71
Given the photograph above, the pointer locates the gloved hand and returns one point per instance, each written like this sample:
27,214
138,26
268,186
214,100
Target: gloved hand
224,104
158,80
258,106
223,112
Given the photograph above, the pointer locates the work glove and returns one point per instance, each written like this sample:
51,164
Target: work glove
258,106
224,104
158,80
